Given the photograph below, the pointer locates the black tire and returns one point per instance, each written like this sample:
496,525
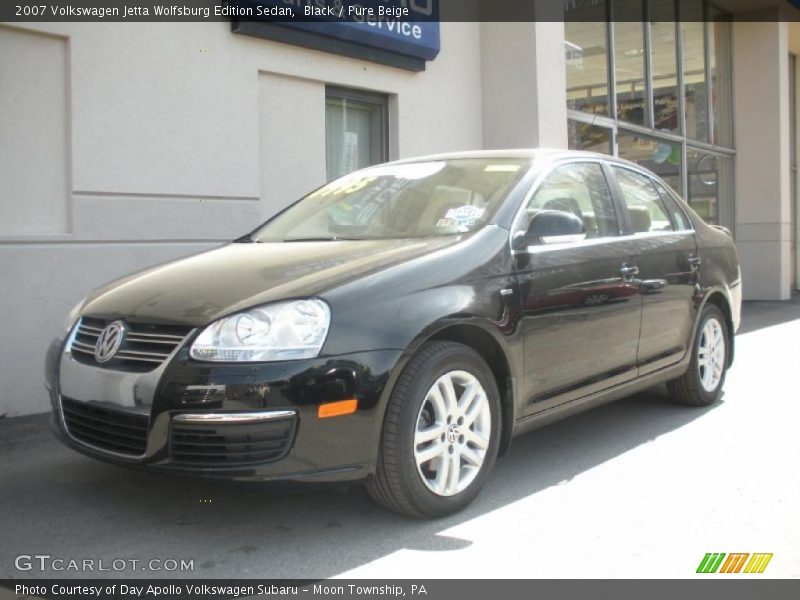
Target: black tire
397,484
688,389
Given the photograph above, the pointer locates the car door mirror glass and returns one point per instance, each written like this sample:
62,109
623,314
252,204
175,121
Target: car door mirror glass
551,227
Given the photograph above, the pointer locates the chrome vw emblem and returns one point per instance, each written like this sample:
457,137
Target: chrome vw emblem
109,341
453,433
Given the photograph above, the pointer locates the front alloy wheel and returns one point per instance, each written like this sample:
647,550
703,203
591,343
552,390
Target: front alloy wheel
441,433
453,430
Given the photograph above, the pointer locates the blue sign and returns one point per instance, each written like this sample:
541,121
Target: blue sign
406,27
420,40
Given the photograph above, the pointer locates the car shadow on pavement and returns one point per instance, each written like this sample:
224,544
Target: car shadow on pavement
61,503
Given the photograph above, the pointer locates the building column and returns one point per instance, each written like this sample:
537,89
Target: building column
763,130
524,85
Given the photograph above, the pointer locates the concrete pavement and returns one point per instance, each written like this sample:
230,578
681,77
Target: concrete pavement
639,488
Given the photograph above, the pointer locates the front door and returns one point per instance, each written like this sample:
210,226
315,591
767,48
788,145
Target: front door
580,300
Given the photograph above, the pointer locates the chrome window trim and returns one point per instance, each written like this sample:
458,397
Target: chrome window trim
233,418
549,240
585,243
600,241
648,234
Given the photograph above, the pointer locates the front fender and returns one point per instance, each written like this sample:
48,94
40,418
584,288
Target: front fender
390,308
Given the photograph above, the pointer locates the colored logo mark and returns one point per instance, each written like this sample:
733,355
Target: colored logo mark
719,562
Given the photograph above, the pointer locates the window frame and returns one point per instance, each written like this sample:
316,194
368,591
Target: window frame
657,183
537,183
669,198
376,99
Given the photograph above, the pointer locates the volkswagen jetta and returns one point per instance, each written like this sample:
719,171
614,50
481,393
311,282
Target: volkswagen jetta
400,325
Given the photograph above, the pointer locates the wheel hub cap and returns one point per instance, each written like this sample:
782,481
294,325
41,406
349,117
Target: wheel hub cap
453,432
711,355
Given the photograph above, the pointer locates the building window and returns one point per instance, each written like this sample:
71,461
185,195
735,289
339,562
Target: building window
592,138
356,125
587,61
650,81
695,91
664,65
710,184
720,75
629,62
661,156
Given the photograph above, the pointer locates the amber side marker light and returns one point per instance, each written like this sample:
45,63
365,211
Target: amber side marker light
337,409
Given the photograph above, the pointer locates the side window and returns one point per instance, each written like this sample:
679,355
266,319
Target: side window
580,189
678,216
644,203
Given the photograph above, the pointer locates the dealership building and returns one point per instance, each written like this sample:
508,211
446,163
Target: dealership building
123,145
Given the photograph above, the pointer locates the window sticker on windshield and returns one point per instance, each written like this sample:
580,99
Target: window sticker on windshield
463,216
465,212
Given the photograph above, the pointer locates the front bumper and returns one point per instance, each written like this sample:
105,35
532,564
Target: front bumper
286,395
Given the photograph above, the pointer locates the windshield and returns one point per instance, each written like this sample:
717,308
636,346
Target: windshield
423,199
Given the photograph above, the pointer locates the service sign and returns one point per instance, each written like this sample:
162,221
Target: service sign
405,27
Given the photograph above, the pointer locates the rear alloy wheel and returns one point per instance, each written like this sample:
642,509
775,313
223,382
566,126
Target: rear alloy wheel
440,435
702,383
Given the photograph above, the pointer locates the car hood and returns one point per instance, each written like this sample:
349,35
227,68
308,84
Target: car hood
199,289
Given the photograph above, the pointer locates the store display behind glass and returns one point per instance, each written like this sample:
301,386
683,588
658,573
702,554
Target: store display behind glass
669,69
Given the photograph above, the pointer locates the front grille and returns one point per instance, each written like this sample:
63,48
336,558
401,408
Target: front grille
143,348
231,445
105,428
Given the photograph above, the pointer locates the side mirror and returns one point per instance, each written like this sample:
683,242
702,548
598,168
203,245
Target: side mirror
551,227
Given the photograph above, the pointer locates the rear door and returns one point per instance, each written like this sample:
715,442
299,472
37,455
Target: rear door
666,258
580,306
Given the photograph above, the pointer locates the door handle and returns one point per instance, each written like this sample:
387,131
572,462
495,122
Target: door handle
695,262
628,272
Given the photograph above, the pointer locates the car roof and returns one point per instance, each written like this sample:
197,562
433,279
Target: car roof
538,154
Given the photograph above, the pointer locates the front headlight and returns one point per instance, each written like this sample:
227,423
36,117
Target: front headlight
281,331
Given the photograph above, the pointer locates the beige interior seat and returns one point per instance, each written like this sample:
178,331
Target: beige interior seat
590,224
564,204
640,217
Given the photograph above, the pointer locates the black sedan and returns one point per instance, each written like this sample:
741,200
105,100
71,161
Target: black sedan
399,326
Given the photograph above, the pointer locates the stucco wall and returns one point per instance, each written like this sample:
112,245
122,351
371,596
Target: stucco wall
763,131
129,144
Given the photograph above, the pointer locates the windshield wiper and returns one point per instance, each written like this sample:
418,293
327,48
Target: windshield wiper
322,239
